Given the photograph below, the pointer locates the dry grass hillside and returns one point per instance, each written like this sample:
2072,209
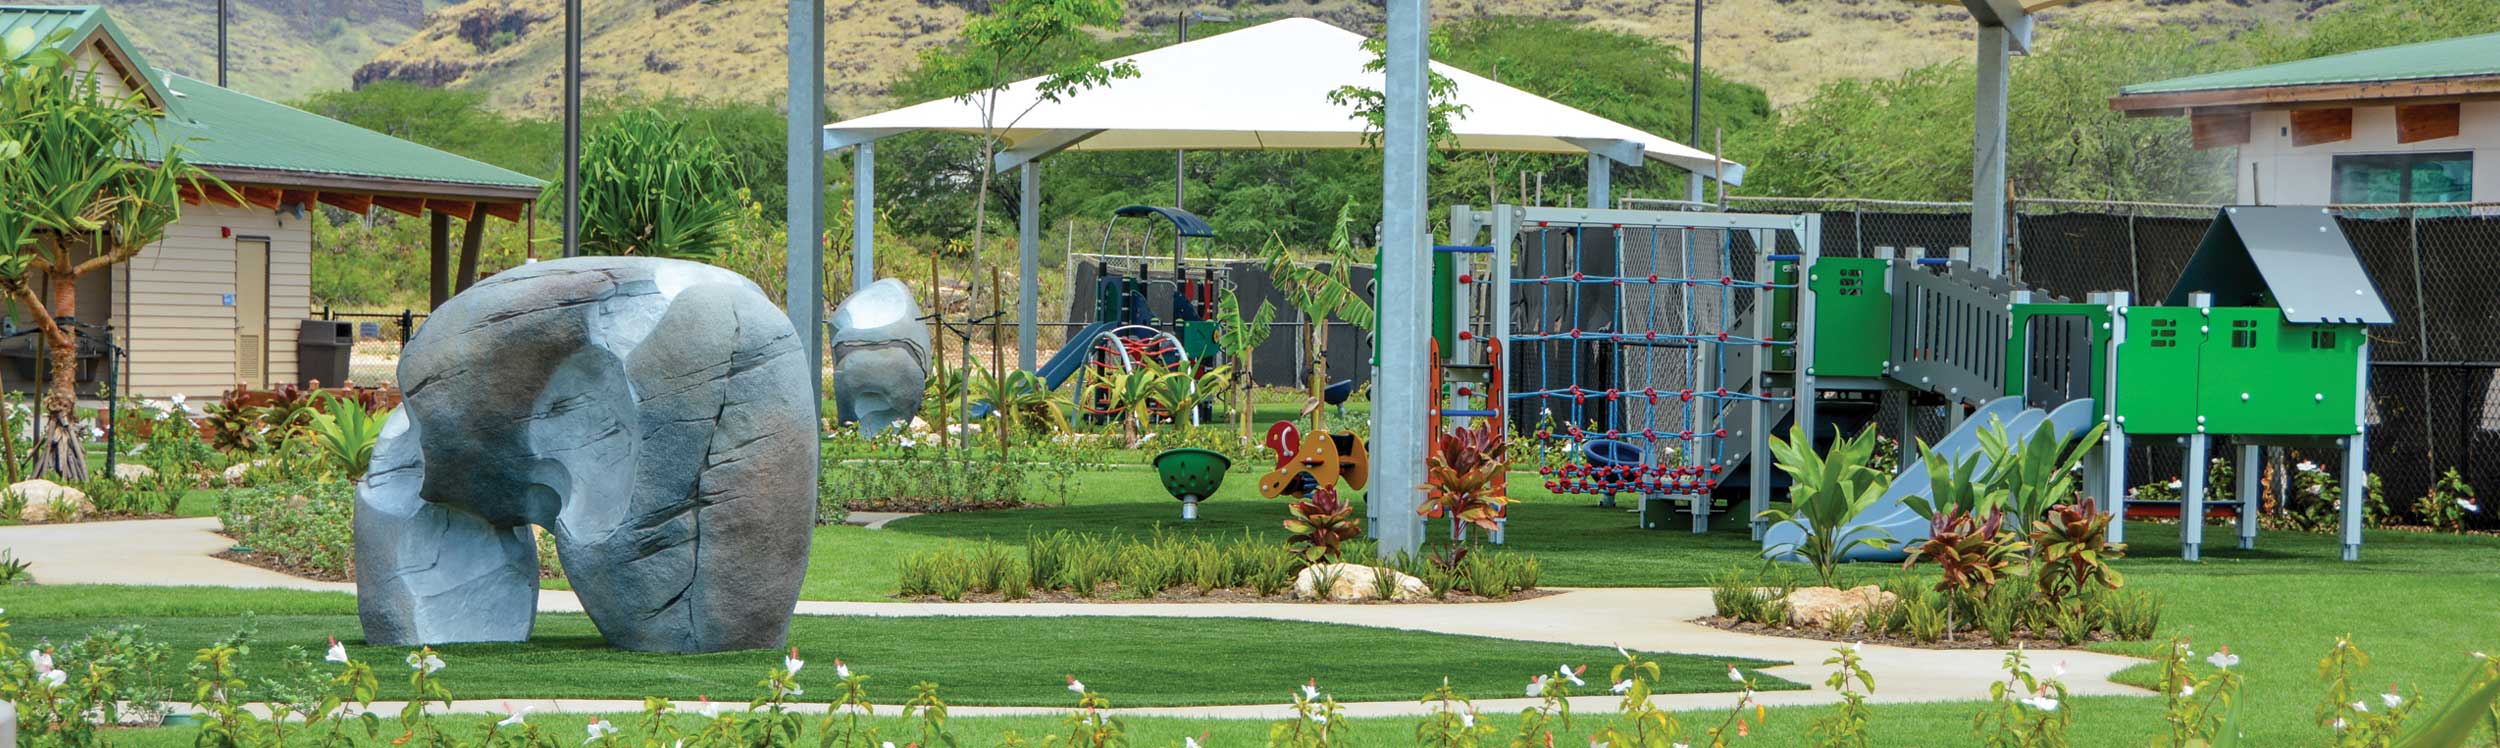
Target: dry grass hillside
734,48
278,49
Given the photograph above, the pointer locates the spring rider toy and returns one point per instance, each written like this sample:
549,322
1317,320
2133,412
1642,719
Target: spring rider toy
1191,475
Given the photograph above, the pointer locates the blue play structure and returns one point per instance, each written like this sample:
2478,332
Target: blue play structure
1125,332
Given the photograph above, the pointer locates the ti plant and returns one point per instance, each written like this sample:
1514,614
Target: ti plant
1827,494
1973,552
1463,477
1955,483
2035,472
1321,525
2073,551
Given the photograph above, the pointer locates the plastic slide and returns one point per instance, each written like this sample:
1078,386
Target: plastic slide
1063,363
1891,519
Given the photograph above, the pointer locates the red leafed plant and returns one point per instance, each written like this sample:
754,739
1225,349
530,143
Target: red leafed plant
1973,551
1320,524
1464,474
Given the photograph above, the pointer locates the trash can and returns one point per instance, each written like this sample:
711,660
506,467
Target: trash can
322,348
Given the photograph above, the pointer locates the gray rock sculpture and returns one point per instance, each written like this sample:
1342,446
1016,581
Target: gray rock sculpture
654,416
880,357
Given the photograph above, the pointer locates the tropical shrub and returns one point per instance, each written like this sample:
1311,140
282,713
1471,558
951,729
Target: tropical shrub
1320,524
2038,471
2449,503
346,433
651,187
305,526
1018,398
1464,473
1826,495
2073,553
1973,552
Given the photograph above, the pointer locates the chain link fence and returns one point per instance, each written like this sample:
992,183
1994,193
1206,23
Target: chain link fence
2433,402
379,337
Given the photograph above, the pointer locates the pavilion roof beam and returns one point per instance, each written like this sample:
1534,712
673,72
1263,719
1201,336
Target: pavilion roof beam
1038,147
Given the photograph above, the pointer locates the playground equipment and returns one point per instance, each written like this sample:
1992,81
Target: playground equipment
1659,350
1191,475
1466,385
1309,463
1124,334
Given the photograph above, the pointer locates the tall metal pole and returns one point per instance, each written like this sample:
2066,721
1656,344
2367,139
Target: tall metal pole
1028,264
806,188
1692,182
1987,200
222,8
573,128
1180,176
863,216
1405,291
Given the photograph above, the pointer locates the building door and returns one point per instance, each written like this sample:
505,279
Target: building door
251,311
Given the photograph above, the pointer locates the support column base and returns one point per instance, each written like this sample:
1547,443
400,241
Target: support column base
2352,551
2189,551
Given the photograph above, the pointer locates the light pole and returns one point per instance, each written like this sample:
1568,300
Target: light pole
572,128
1692,183
1180,157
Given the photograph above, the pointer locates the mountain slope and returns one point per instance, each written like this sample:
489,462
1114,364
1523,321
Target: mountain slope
277,49
511,49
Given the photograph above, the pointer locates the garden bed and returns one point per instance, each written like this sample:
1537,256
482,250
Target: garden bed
1191,594
2025,638
282,565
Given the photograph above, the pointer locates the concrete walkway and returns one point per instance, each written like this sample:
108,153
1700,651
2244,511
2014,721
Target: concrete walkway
177,552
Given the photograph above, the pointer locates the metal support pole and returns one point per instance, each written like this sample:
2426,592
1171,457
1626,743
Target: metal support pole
2114,444
1758,411
1028,263
2252,463
2192,497
1404,289
223,8
573,119
1601,181
863,216
1692,183
806,187
1987,208
2356,482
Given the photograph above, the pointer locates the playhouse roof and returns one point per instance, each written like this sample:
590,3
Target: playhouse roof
1266,87
2292,257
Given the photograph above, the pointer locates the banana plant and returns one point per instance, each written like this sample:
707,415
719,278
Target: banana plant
1018,400
1322,291
1241,339
1179,393
1128,396
2037,472
1826,494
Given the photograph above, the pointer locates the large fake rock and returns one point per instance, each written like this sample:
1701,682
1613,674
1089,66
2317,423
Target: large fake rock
655,416
880,357
1355,582
1813,606
47,501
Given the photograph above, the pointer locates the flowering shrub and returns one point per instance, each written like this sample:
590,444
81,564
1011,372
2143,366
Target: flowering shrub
2449,503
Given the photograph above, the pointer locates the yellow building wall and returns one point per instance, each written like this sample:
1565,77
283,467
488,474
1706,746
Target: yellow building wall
173,311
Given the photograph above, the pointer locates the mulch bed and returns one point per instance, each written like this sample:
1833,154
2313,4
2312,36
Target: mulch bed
280,565
1963,640
1185,595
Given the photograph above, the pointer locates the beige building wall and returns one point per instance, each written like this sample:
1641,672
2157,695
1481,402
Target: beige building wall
176,310
2272,171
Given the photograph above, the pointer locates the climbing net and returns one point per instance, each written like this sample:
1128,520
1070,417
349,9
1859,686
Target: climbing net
1634,346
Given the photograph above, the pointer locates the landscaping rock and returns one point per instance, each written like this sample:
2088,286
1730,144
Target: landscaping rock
47,501
1356,582
880,357
234,473
1812,606
654,416
123,471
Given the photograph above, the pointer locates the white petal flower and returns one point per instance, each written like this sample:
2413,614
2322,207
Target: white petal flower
1623,685
2058,670
792,662
1189,742
1467,719
1536,686
1310,690
2042,702
1571,675
841,670
598,729
2392,699
1075,686
40,659
338,652
2339,724
515,719
1733,675
54,678
2223,659
2187,690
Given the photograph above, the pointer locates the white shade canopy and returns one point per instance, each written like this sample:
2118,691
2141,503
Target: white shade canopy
1266,87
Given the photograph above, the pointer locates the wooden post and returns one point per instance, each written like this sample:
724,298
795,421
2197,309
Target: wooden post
472,237
438,255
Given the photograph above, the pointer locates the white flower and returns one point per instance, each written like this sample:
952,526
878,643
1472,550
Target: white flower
2306,466
428,664
1733,675
709,708
792,662
1619,651
598,729
1570,675
515,719
54,678
1320,718
841,670
338,652
1536,686
1467,719
2175,484
888,744
2339,724
2392,699
1075,686
2224,659
1856,646
1623,685
177,398
2042,702
2469,505
40,659
2477,655
1189,742
2187,690
1310,690
2058,670
2361,707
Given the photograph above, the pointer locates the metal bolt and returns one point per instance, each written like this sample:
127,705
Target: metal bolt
2122,419
2321,397
2200,419
2243,397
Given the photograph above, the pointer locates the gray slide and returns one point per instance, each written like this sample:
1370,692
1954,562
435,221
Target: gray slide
1890,519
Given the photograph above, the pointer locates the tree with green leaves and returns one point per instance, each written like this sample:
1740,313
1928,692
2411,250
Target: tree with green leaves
1240,339
1322,291
652,188
1014,37
82,193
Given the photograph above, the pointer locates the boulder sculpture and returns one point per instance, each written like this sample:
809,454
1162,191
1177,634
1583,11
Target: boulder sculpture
653,416
880,357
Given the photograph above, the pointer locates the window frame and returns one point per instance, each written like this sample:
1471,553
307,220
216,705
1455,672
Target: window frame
2404,162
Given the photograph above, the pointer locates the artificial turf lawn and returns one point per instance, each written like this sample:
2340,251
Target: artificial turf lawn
1136,661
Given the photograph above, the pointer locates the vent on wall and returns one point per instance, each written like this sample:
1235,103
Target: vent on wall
247,348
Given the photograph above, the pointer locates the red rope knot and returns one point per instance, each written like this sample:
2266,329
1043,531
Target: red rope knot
1466,335
1722,336
1613,394
1686,435
1575,335
1720,434
1685,395
1579,276
1650,434
1722,393
1466,278
1651,393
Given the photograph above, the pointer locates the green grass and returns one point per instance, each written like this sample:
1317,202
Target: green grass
1138,661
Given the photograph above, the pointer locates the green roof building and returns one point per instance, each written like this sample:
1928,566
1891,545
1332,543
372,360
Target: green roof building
2416,123
220,302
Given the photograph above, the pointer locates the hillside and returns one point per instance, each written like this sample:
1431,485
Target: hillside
278,49
510,49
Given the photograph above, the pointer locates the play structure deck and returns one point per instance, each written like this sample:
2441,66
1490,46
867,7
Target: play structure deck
1656,352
